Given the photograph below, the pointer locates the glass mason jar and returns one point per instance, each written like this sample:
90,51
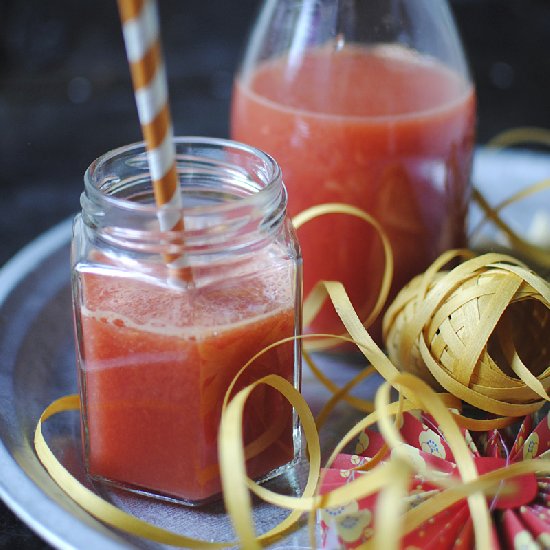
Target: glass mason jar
369,103
156,355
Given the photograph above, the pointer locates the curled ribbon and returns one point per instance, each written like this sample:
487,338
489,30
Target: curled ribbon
390,478
315,300
517,136
448,328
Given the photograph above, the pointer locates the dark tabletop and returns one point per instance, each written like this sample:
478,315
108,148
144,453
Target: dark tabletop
66,97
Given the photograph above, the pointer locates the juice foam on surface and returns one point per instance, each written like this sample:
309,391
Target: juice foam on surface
379,82
186,313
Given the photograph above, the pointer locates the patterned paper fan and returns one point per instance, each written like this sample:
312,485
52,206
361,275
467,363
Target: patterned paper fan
521,519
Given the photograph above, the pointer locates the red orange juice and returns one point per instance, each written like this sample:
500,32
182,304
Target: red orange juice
384,129
156,363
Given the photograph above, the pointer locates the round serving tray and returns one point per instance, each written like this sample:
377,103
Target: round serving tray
37,365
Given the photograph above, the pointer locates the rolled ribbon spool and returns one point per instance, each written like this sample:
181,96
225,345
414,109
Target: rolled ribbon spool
480,331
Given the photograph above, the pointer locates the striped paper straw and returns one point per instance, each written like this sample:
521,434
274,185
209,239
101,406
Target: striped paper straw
140,27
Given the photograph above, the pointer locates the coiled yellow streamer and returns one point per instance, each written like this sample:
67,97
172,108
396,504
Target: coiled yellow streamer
530,252
315,299
390,478
458,330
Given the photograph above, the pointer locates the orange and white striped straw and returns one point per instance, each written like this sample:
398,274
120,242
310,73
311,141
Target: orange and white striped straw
140,27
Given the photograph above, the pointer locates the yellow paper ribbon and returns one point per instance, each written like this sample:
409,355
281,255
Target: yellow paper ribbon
235,482
93,503
439,327
315,299
517,136
391,478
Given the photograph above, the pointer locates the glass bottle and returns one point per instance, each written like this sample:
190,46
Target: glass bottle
370,103
156,355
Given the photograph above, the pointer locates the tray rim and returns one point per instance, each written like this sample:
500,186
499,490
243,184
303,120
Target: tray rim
18,491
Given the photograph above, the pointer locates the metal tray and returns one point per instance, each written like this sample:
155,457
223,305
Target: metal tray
37,365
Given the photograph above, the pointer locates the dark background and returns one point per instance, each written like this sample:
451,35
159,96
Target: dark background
66,98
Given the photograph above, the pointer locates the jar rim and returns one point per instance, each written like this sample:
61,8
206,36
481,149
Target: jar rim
267,190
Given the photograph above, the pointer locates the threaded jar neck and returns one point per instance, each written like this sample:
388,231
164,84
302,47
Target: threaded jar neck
233,197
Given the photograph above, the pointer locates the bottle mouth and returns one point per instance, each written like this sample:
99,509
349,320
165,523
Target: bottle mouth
229,192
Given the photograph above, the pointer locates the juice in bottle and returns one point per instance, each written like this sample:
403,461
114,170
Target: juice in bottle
383,128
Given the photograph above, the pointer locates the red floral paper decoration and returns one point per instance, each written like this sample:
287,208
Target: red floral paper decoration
520,520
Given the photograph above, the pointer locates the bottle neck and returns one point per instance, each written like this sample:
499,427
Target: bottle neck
233,196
